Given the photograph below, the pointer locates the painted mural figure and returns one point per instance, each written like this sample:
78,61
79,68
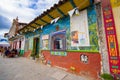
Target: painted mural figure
74,35
84,58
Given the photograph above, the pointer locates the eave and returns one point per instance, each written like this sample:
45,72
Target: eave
58,10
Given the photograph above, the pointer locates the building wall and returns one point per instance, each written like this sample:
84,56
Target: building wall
12,30
64,24
72,56
22,45
85,59
92,68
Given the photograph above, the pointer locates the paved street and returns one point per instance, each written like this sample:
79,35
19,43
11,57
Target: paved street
26,69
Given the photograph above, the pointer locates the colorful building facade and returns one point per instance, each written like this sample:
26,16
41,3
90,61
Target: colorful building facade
79,35
67,38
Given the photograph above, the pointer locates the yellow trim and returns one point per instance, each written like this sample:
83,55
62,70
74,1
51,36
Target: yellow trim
81,4
46,18
55,13
34,25
40,22
66,7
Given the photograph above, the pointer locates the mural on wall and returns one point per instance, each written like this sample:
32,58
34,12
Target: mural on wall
111,38
84,58
32,34
92,31
86,38
92,22
79,29
116,13
53,29
89,39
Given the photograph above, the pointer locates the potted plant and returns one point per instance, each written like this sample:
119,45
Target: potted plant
106,76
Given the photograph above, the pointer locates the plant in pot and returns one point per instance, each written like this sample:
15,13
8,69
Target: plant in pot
106,76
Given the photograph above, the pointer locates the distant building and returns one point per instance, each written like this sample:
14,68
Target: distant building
15,27
16,40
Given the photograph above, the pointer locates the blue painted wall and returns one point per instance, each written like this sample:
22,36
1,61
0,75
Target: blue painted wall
64,23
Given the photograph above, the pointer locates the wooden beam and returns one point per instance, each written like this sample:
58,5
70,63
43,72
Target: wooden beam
50,16
37,24
60,12
73,4
44,21
33,27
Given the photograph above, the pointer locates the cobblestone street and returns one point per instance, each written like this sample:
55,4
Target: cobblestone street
26,69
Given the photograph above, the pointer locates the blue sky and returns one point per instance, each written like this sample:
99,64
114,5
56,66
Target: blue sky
26,10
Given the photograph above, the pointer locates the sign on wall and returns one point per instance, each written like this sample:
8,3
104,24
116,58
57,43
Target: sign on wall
59,53
45,42
79,29
45,37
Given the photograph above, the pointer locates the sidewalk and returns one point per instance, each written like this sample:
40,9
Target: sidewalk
26,69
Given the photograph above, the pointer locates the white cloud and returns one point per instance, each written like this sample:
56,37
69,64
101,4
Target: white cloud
3,31
22,8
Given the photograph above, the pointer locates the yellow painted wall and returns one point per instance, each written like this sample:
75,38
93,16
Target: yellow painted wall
116,12
115,3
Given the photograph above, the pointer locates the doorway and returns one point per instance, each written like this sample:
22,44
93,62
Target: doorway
36,46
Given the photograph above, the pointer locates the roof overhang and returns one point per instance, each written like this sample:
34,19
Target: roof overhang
58,10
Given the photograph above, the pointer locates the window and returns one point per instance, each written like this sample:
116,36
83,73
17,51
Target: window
45,42
58,40
58,44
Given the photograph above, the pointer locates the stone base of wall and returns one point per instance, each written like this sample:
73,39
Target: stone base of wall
72,62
